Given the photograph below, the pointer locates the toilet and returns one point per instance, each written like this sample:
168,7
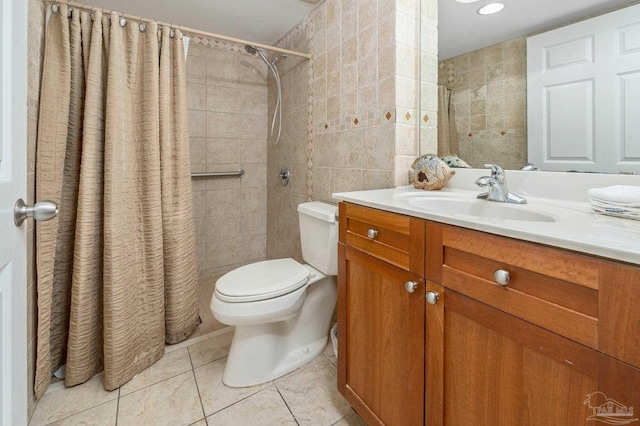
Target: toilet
281,309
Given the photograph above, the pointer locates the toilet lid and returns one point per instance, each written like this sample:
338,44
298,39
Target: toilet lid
261,280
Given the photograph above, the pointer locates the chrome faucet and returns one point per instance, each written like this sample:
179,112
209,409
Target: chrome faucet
497,187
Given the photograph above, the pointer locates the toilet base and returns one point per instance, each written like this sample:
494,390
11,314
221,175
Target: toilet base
263,352
243,374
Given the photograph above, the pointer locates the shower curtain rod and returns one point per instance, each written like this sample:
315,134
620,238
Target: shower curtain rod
190,31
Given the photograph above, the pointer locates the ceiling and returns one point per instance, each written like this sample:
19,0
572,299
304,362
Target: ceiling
461,29
260,21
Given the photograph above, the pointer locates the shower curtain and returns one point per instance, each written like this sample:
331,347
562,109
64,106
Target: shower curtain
447,133
116,271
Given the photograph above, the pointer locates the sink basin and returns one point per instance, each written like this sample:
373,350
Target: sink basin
477,208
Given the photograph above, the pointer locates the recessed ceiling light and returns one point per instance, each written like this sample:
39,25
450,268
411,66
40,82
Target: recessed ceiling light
467,1
491,8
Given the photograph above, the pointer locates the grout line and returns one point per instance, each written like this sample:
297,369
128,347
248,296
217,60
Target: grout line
195,379
285,403
198,339
242,399
81,411
118,406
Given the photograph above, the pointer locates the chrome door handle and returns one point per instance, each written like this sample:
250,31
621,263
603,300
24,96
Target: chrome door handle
43,210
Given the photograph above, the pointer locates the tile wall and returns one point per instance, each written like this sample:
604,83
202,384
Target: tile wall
428,118
283,236
364,94
353,124
227,102
34,53
490,95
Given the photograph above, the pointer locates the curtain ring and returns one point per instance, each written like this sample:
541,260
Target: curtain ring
142,27
122,21
69,12
172,33
55,8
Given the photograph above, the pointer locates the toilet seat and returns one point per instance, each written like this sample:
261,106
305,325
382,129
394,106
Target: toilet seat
261,280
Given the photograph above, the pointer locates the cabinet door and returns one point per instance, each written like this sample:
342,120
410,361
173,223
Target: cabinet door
501,370
381,339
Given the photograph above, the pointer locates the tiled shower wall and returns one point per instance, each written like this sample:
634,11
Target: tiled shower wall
353,108
490,95
227,102
35,51
283,238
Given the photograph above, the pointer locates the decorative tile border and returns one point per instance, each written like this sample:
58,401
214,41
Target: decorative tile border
218,44
305,29
450,75
309,119
377,118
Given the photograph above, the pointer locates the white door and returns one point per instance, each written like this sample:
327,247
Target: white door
13,176
583,84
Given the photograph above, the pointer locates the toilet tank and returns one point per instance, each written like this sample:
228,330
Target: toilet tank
319,235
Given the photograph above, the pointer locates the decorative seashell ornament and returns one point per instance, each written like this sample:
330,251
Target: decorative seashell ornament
429,172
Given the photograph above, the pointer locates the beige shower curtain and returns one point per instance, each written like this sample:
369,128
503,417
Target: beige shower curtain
116,269
447,133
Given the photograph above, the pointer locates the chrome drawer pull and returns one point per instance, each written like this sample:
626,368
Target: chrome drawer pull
502,277
432,297
372,233
411,286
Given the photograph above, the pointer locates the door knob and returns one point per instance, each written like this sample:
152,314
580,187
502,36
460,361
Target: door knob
372,233
411,286
43,210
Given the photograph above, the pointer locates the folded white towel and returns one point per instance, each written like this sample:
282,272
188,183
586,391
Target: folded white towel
608,205
619,194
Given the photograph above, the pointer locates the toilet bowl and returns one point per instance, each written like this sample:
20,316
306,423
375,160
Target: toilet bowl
281,309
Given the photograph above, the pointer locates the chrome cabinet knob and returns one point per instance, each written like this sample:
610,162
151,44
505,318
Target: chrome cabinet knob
502,277
411,286
372,233
433,297
43,210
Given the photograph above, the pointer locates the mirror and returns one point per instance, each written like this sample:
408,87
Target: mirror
489,83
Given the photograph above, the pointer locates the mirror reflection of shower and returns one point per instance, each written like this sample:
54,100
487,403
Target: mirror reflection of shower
277,112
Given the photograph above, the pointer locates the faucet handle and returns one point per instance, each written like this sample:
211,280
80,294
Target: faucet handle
496,170
483,181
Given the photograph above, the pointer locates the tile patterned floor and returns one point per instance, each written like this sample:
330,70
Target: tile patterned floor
205,293
185,388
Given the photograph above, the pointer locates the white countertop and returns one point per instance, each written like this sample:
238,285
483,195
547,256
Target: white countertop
575,226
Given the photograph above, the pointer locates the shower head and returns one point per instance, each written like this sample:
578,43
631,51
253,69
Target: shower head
250,49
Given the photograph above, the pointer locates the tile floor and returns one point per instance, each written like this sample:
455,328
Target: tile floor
209,323
185,388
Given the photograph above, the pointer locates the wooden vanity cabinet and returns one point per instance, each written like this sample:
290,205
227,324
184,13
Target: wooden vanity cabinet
381,314
529,352
557,343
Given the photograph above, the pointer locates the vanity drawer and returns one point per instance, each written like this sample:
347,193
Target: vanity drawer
554,289
394,238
